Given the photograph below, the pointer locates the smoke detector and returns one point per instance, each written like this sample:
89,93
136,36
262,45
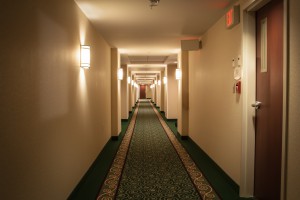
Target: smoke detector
153,3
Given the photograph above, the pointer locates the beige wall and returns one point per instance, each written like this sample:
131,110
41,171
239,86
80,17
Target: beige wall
293,158
55,116
115,93
214,110
148,92
183,94
124,94
172,93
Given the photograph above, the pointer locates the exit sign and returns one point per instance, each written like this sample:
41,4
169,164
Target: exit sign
232,17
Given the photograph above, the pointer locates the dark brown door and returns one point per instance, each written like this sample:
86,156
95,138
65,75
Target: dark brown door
142,92
269,91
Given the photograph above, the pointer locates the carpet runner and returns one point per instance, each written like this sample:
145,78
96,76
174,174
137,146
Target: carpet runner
152,164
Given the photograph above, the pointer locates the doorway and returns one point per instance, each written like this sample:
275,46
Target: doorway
142,92
269,101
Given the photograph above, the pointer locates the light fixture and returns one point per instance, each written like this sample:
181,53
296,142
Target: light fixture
132,82
155,82
158,82
178,74
128,80
120,74
153,3
165,80
85,59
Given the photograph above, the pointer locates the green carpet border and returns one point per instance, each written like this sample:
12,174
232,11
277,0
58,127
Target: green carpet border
90,184
224,185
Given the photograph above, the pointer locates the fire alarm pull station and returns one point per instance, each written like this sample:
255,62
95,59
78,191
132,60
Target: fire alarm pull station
238,87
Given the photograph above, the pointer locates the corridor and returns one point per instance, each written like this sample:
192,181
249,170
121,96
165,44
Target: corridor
210,86
156,165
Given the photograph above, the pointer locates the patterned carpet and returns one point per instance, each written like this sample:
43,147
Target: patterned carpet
154,164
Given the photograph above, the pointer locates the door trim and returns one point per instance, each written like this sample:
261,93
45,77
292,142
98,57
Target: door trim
248,8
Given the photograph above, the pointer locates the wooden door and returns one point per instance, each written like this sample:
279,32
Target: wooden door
142,92
269,91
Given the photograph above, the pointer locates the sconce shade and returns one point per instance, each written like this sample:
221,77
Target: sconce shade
165,80
85,59
178,74
159,82
155,82
128,80
120,74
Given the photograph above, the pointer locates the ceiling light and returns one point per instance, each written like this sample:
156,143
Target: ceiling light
153,3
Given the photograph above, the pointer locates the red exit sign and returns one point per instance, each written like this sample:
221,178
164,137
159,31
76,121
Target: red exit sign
232,16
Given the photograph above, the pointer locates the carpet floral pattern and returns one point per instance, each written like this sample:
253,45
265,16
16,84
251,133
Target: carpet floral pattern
156,165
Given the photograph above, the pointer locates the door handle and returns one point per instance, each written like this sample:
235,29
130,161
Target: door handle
256,105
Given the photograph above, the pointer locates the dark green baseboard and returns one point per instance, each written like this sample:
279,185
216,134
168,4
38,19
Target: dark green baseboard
184,137
114,138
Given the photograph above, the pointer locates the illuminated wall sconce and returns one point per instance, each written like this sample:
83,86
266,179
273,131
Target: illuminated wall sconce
152,86
136,85
155,82
85,58
132,82
128,80
178,74
159,82
165,80
120,74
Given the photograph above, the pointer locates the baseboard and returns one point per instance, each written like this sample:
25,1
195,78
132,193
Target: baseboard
184,137
114,138
172,120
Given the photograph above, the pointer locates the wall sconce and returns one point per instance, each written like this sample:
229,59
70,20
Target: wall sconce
85,59
159,82
178,74
128,80
120,74
155,82
165,80
132,82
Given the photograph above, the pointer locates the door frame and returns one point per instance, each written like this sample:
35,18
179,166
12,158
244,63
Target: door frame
248,19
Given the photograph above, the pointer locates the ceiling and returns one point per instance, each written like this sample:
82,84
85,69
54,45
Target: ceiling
152,36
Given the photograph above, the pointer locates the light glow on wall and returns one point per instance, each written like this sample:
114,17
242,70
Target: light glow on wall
85,58
128,80
120,74
159,82
165,80
178,74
